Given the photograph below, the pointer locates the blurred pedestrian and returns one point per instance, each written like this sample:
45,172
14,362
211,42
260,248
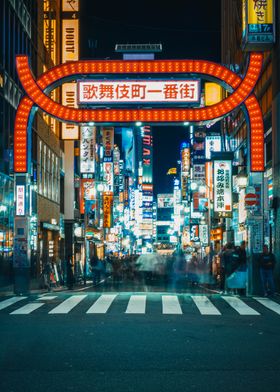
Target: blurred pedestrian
267,264
70,274
227,267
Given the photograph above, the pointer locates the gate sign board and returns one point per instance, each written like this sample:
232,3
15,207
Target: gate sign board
138,91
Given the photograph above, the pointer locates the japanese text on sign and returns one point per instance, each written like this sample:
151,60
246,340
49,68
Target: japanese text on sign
139,91
222,186
20,200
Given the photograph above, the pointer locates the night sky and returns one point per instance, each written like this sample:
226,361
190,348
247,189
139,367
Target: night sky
186,29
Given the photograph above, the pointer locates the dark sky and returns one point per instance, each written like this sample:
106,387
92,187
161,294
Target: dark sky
185,28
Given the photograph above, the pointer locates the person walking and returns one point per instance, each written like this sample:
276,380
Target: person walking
267,264
70,274
226,265
96,270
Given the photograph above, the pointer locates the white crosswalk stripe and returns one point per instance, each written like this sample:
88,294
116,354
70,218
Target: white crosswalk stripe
10,301
171,305
136,304
102,304
271,305
68,304
205,306
27,309
240,306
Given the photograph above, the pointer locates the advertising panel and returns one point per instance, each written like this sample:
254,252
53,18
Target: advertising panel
203,234
20,200
69,131
87,192
108,175
198,172
87,149
128,149
165,200
212,143
223,188
70,5
194,233
108,199
108,143
258,24
147,155
138,91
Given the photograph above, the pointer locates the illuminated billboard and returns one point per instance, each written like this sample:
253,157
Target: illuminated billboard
212,143
20,200
138,91
87,150
108,199
258,24
165,200
223,188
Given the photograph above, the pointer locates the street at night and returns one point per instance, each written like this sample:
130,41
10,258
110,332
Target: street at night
139,196
121,350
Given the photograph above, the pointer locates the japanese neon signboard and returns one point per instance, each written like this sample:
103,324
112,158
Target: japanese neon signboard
107,209
212,143
258,24
20,200
108,143
87,150
223,188
135,91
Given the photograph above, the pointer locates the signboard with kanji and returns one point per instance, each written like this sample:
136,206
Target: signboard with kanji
258,31
107,209
223,188
87,150
138,91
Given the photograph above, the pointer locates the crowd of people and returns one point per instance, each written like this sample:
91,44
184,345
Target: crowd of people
225,270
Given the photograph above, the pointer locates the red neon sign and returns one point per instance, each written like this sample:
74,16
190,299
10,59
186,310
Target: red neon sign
242,94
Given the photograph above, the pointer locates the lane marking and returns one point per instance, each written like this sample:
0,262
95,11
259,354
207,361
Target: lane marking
171,305
27,309
67,305
268,303
205,306
136,304
102,304
46,298
240,306
10,301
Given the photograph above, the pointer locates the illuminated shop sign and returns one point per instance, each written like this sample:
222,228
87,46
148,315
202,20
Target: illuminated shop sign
203,234
20,200
108,175
108,143
165,200
87,150
223,188
138,91
69,99
258,24
147,154
87,192
107,209
194,233
212,143
70,5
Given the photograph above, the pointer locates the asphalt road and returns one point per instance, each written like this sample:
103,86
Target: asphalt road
119,351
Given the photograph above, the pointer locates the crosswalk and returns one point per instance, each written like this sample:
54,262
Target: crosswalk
165,304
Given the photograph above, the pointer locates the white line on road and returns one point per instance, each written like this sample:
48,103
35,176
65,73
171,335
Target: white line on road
46,298
240,306
171,305
68,304
10,301
205,306
27,309
271,305
136,304
102,304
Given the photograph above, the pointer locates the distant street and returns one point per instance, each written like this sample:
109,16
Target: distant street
85,341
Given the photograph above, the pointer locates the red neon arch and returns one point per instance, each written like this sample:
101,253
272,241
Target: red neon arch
243,89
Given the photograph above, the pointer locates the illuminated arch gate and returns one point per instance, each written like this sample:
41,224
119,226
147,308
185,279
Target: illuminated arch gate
37,90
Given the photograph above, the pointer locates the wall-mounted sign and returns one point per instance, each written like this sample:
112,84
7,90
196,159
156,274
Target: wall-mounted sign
147,154
258,24
70,5
108,175
223,187
212,143
20,200
165,200
107,209
87,150
87,192
138,91
194,233
108,143
203,234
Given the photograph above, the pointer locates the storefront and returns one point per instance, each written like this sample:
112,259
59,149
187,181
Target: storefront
6,228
